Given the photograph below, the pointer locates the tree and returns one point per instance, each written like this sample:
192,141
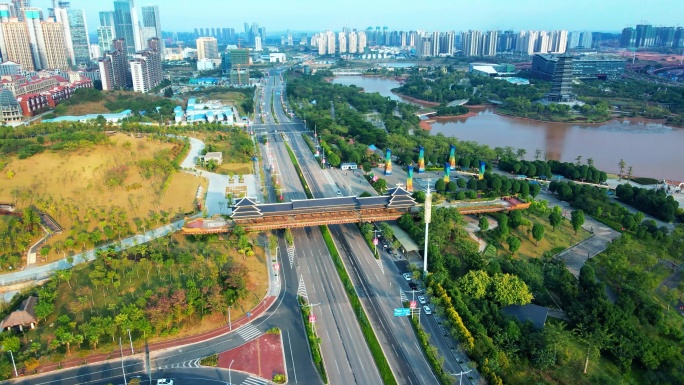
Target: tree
515,218
452,187
629,173
508,289
622,165
577,219
168,92
538,232
43,309
513,244
555,218
367,167
537,154
483,224
380,184
595,340
365,194
535,189
475,283
440,186
521,153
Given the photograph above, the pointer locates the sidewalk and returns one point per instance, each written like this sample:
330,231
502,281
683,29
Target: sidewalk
73,362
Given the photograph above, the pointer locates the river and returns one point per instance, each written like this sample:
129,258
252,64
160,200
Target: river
652,149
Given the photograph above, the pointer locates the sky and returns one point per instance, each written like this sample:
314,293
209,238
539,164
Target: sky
428,15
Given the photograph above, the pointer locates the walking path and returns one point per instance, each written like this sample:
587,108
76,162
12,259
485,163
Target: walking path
157,346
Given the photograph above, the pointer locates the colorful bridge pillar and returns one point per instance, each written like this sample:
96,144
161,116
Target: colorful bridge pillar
409,179
421,160
447,172
388,162
452,158
481,169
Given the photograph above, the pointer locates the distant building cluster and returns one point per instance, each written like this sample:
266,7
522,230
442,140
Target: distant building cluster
646,36
27,93
142,72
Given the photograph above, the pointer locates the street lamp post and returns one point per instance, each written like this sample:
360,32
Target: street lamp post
122,362
131,341
230,379
230,325
13,364
427,215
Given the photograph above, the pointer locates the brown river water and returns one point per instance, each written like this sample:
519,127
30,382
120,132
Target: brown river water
651,148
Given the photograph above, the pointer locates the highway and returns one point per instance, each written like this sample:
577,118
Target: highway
344,350
378,283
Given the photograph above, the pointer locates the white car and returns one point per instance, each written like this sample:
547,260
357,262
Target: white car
422,299
164,381
407,277
427,310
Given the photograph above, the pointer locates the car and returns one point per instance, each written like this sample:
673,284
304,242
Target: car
427,310
413,286
164,381
422,299
407,276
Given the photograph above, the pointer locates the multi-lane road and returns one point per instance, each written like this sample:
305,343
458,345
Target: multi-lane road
344,350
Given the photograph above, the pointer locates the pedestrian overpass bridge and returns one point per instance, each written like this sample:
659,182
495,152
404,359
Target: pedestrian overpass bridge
329,211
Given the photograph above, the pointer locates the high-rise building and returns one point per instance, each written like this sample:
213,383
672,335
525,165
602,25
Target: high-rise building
361,37
435,44
424,46
507,40
574,39
471,43
645,35
17,5
447,42
561,83
628,39
586,39
257,44
151,24
146,68
352,42
17,44
342,41
207,48
76,34
558,41
5,14
126,25
55,46
105,35
488,41
107,19
239,66
114,68
664,36
678,38
330,43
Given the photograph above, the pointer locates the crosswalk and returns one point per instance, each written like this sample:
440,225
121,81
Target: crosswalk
249,332
301,289
185,364
291,255
379,262
254,381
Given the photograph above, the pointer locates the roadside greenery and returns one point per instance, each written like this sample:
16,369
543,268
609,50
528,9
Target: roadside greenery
431,353
509,351
655,202
293,158
155,290
314,340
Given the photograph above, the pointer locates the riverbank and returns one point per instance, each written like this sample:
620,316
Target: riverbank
423,103
472,111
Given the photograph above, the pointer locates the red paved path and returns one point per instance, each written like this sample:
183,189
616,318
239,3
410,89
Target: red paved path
262,357
76,361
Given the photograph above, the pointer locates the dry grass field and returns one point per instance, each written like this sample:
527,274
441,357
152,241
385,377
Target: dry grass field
73,187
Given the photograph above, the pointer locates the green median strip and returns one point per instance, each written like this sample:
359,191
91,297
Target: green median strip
368,333
293,158
314,340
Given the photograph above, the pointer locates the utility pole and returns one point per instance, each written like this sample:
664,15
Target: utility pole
375,240
122,362
427,215
131,341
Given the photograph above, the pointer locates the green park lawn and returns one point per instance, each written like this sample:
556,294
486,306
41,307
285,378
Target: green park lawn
554,241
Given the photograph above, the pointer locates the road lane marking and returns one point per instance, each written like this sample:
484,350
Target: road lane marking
292,356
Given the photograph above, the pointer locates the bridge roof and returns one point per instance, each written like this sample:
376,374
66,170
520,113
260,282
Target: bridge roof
246,208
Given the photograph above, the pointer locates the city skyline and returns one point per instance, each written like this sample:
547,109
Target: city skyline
607,16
